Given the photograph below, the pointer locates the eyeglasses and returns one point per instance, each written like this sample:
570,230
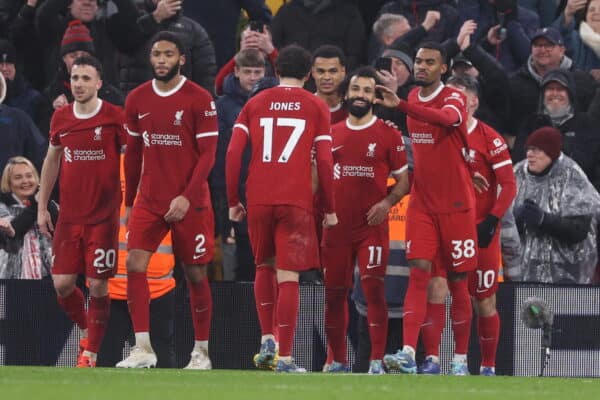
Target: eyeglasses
545,46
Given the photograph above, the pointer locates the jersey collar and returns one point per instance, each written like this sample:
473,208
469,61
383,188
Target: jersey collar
432,95
360,127
170,92
90,115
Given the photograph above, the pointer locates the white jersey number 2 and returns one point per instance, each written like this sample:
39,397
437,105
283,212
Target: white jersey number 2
298,126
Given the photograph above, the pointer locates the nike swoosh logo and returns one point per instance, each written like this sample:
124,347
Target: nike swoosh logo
336,148
103,270
140,116
197,257
265,304
481,290
373,266
456,264
63,134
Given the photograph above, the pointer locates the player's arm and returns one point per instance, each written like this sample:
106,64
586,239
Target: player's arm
324,159
233,165
134,152
447,116
48,178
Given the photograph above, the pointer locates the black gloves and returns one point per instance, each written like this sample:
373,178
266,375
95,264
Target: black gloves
486,230
530,214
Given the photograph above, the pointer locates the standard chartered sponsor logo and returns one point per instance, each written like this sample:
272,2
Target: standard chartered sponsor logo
336,171
359,171
422,138
161,139
67,154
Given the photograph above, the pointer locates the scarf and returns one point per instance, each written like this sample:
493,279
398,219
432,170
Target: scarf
590,38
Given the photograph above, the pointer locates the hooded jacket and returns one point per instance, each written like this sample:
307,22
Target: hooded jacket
581,140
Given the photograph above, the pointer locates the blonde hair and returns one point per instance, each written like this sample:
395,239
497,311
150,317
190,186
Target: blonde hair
8,169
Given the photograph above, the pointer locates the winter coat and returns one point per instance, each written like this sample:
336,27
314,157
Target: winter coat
583,55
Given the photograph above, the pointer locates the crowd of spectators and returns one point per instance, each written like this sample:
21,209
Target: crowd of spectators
537,64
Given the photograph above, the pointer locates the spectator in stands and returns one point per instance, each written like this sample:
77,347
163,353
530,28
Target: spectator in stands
221,19
583,41
24,252
77,42
579,127
545,9
166,15
20,136
504,29
547,54
312,23
494,106
411,39
386,29
19,93
416,12
24,35
109,33
238,261
556,211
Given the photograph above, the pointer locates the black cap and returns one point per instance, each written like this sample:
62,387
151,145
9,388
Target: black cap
8,54
460,58
550,33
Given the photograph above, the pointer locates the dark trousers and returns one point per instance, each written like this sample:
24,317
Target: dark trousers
120,329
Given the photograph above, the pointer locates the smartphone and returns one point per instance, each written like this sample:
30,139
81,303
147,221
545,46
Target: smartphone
383,63
256,26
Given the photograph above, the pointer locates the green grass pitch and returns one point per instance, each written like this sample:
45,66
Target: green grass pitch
41,383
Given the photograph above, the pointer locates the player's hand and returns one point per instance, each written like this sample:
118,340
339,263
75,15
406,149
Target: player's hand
60,101
480,183
44,222
6,227
177,210
379,212
126,217
237,212
330,220
390,98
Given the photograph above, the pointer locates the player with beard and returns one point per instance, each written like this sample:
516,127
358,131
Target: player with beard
440,221
85,142
365,152
172,125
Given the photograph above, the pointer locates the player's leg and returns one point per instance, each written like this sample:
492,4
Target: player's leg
295,250
459,248
435,320
261,233
372,259
98,316
421,248
68,263
145,232
483,285
337,264
193,239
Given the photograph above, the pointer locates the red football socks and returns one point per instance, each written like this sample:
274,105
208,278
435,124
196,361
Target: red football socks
73,306
489,332
201,307
415,305
138,301
265,295
461,313
287,314
98,315
376,315
431,331
336,322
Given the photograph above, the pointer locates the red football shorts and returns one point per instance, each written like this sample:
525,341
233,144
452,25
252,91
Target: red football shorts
447,240
86,249
370,254
483,281
193,237
286,233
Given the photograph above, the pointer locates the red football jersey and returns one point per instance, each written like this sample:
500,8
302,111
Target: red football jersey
363,157
178,129
90,185
338,113
282,124
488,153
442,180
